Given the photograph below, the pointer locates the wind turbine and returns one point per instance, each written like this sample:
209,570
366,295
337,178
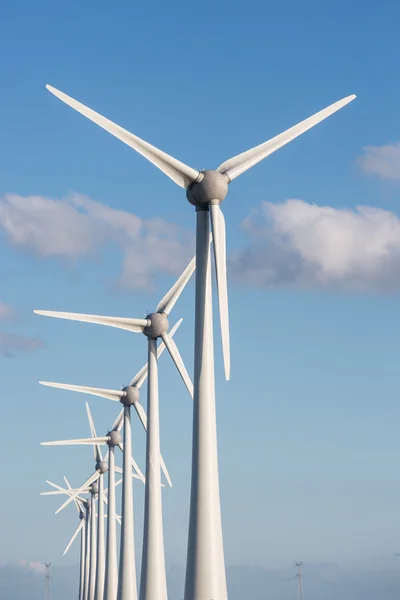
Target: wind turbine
153,577
82,507
96,487
114,439
205,566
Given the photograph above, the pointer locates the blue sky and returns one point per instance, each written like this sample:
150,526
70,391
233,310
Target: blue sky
308,425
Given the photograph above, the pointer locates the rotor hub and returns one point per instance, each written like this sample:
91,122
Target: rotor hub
212,189
102,466
131,397
115,437
158,325
94,488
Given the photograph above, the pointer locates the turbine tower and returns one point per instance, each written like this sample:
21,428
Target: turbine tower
205,565
47,584
299,576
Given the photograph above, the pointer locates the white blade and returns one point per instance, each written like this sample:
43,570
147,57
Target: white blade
143,419
118,470
60,490
134,464
88,482
219,237
136,325
140,377
77,504
119,421
103,393
168,302
97,452
82,441
71,541
176,357
242,162
67,482
175,169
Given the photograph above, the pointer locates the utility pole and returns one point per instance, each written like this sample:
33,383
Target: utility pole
299,577
47,588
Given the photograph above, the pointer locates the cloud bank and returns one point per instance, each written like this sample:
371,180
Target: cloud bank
383,161
76,227
319,247
12,343
6,312
291,244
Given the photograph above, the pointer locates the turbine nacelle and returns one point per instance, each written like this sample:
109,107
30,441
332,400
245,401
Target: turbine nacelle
131,396
115,438
211,189
158,325
102,466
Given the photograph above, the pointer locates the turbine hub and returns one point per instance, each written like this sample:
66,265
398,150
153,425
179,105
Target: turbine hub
102,466
94,488
211,189
131,397
115,437
158,325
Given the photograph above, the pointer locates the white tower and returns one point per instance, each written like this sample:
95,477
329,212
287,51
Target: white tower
47,585
299,577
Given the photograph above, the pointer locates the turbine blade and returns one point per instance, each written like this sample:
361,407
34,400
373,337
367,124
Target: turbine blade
96,448
118,519
71,541
58,492
168,302
136,325
79,442
87,483
119,421
143,419
175,169
242,162
77,504
176,357
141,413
165,470
103,393
118,470
64,491
67,482
219,237
134,464
140,377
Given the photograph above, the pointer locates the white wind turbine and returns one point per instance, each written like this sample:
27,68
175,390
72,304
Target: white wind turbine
82,507
95,485
153,584
114,439
83,510
205,566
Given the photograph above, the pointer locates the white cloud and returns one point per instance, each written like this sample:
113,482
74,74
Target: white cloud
383,161
35,566
11,344
77,227
311,246
7,312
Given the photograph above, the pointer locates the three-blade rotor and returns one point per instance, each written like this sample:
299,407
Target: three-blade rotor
189,178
